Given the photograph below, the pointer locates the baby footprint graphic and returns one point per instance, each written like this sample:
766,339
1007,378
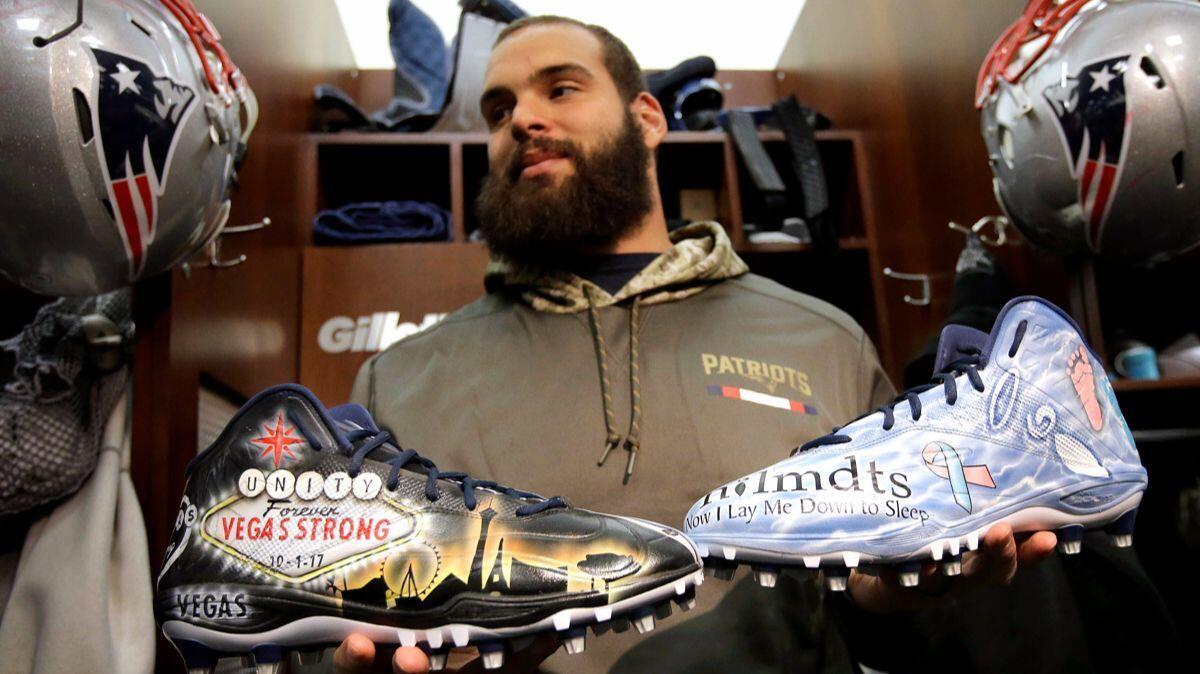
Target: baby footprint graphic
1080,370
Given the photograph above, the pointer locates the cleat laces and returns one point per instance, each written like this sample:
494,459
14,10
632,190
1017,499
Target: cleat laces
376,439
968,365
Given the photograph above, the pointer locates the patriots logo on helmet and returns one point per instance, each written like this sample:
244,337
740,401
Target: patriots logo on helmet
138,116
1093,122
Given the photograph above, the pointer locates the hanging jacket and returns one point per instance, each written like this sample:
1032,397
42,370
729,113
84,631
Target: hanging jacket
692,374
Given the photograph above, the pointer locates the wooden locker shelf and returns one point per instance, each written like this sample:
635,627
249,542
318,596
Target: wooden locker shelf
448,168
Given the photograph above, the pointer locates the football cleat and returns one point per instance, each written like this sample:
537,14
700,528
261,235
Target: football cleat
302,525
1018,426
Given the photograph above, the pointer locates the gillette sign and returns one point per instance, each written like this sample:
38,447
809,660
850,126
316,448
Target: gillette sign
375,332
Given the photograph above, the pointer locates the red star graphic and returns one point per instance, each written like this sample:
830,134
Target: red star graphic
277,440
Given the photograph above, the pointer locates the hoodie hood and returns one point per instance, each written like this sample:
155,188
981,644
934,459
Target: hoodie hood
701,256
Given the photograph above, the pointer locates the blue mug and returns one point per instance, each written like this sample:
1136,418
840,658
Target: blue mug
1137,361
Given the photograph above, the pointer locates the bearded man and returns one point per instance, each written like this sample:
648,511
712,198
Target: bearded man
594,365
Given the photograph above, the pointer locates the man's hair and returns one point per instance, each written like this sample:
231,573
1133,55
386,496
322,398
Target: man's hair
619,61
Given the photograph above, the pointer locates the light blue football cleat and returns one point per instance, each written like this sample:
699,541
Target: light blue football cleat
1019,426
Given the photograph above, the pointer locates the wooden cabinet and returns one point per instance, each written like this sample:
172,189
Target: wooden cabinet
358,300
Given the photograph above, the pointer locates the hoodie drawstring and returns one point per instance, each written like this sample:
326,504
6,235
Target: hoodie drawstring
633,441
612,440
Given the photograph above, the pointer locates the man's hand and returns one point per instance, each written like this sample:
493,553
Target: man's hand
358,655
996,562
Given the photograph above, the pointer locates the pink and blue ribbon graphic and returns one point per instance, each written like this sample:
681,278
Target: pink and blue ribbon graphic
944,461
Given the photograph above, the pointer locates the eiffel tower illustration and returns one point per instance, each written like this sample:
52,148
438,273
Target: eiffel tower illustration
497,576
408,586
475,578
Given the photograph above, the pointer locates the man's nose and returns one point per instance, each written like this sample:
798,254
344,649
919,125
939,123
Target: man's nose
529,120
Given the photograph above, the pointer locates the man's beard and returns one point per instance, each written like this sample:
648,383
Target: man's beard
536,221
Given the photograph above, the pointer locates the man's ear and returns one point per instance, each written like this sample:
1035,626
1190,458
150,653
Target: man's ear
650,117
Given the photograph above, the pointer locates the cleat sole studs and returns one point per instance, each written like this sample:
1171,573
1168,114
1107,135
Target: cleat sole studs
1122,527
1070,539
836,578
952,567
687,600
407,638
575,645
460,636
722,569
836,583
644,623
662,611
433,649
1121,530
492,660
812,562
680,587
973,541
910,574
1070,547
851,559
562,621
492,654
936,550
603,614
766,577
730,553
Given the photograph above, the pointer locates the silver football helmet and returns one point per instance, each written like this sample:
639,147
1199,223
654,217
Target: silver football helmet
119,137
1091,116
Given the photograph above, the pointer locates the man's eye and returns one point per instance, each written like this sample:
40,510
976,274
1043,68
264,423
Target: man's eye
497,115
561,90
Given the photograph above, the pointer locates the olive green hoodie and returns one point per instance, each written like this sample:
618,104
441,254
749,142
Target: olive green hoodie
694,373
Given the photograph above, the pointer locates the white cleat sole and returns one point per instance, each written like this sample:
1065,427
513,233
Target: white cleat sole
725,558
304,633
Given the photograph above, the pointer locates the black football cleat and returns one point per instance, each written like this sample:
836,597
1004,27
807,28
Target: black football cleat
302,525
